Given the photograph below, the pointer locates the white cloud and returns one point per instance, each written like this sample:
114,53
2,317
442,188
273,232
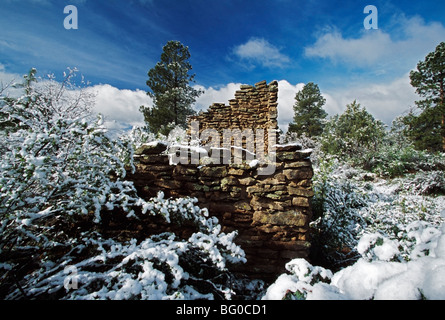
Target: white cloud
7,78
286,101
216,95
409,40
120,107
260,51
384,101
364,51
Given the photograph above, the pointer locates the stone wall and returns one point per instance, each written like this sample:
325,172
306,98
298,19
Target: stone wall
271,213
254,107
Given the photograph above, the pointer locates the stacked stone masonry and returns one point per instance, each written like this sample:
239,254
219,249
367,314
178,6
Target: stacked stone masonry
254,107
270,212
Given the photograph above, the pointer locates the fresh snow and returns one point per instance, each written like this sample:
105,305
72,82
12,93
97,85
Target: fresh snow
60,164
406,265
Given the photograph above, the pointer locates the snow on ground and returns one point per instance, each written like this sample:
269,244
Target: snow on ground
402,253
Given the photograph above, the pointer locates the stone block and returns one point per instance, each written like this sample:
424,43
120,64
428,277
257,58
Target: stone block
236,171
303,173
284,218
214,172
278,178
298,164
301,202
243,205
248,181
308,193
155,147
228,181
259,203
261,84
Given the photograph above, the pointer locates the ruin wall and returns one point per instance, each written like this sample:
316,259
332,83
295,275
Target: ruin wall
270,212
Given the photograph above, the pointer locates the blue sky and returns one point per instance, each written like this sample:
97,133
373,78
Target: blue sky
231,42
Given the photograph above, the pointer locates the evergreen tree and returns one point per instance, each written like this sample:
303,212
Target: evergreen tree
309,113
354,134
423,129
428,128
169,87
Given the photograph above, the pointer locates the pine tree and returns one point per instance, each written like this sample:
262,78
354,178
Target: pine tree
309,113
428,129
353,134
169,87
423,129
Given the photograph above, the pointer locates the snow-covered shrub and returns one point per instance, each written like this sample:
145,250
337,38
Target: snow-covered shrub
392,160
337,203
352,134
412,241
296,285
140,135
160,267
57,162
374,276
60,173
178,135
347,206
137,136
427,182
411,220
374,247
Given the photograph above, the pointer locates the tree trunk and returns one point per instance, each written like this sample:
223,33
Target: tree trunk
175,107
442,103
443,132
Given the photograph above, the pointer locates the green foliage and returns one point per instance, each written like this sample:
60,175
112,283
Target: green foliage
397,155
427,129
430,182
169,86
309,114
424,129
393,160
352,134
336,207
62,180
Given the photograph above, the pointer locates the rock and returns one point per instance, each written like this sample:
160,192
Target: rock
236,171
298,164
290,217
308,193
214,172
278,178
303,173
288,147
301,202
229,181
155,147
259,203
247,181
242,205
261,84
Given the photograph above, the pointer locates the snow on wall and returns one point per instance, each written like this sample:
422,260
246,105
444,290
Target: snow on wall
270,209
271,213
